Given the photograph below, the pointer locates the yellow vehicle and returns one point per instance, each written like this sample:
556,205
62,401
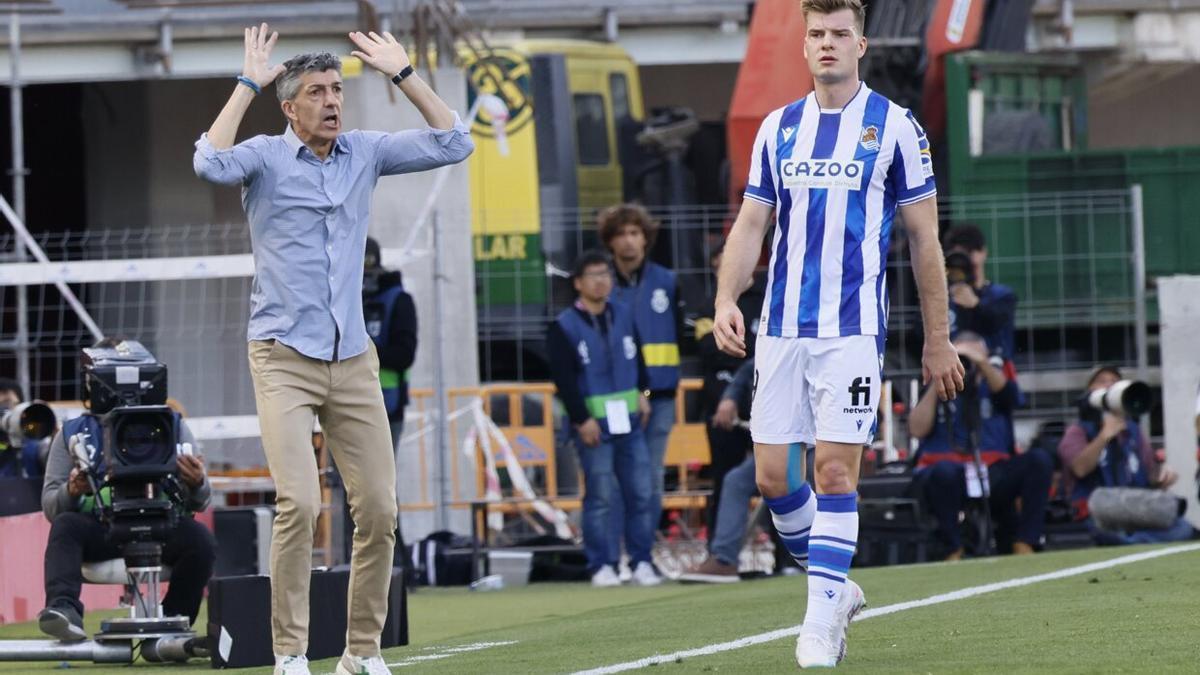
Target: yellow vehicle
537,176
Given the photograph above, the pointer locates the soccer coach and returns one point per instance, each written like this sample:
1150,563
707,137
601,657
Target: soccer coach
307,195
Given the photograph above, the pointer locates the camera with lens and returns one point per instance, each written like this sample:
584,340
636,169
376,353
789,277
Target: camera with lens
1127,398
959,269
31,420
127,388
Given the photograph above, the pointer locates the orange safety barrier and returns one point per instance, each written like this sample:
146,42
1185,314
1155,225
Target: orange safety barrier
688,444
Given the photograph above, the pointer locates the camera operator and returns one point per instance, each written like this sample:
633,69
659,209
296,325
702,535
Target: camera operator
22,458
1105,450
980,419
78,535
976,304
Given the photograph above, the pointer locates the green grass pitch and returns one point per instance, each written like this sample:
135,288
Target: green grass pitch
1135,617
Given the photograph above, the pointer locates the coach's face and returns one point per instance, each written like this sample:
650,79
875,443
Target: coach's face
833,45
316,110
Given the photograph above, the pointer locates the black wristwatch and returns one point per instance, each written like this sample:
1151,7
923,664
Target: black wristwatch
400,76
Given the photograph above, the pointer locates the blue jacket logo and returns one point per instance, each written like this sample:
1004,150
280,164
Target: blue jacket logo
630,347
583,353
658,301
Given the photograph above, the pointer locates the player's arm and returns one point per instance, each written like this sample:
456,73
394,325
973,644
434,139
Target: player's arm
939,360
742,249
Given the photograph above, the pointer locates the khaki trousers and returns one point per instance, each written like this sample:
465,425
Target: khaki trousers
291,389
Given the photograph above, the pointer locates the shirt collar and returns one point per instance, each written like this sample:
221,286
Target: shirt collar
293,141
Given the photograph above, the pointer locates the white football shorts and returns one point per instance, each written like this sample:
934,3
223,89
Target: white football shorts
809,389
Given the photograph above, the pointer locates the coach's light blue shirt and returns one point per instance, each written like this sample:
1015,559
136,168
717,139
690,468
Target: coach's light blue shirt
308,225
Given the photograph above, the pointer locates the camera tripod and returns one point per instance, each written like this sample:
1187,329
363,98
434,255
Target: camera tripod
161,638
969,400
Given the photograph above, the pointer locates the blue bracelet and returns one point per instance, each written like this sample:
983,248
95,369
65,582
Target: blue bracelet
250,83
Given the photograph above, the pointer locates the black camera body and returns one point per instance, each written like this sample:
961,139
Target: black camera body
127,387
959,269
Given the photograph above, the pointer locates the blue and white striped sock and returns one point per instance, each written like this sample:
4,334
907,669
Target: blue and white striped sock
832,542
793,518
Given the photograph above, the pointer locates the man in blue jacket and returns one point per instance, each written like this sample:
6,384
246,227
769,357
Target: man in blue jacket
945,458
648,288
598,370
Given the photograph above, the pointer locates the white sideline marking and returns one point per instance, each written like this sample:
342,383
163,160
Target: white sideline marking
447,652
891,609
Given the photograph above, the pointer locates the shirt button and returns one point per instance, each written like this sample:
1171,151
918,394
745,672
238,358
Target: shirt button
331,277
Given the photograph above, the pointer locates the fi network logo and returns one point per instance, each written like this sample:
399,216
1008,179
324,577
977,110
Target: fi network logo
860,396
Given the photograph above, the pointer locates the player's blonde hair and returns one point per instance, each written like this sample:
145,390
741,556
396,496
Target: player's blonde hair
831,6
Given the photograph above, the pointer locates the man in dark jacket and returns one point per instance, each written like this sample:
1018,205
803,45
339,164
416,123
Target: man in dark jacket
391,318
727,443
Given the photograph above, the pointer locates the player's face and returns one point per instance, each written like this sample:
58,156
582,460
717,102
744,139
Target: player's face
595,283
316,111
629,244
833,46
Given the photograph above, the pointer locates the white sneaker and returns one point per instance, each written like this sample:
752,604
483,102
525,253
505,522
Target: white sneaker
357,665
849,605
623,571
644,575
825,649
815,650
291,665
605,577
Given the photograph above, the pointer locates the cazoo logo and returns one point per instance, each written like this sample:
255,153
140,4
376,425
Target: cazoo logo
821,173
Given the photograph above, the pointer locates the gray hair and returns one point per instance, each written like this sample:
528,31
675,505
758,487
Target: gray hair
288,84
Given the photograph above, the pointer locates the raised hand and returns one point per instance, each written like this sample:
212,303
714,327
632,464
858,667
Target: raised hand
258,52
382,52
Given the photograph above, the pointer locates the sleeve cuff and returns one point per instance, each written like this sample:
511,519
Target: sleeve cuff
459,127
205,147
762,200
918,197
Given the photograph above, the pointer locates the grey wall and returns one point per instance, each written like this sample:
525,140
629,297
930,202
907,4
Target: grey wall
1179,304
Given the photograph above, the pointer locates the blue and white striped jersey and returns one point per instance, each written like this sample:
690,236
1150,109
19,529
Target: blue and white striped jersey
835,178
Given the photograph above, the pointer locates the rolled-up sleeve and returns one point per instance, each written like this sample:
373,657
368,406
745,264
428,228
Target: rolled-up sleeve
232,166
423,149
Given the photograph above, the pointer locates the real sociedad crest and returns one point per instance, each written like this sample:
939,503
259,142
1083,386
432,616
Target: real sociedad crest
658,300
870,138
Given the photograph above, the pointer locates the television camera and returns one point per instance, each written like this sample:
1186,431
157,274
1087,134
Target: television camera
134,483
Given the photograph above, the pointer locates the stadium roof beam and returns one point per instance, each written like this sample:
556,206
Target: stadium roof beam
111,21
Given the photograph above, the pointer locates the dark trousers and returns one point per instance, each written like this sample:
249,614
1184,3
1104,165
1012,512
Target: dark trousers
1026,476
728,449
76,538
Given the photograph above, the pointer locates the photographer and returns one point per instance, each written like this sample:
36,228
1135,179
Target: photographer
1105,450
981,419
78,535
17,459
976,304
